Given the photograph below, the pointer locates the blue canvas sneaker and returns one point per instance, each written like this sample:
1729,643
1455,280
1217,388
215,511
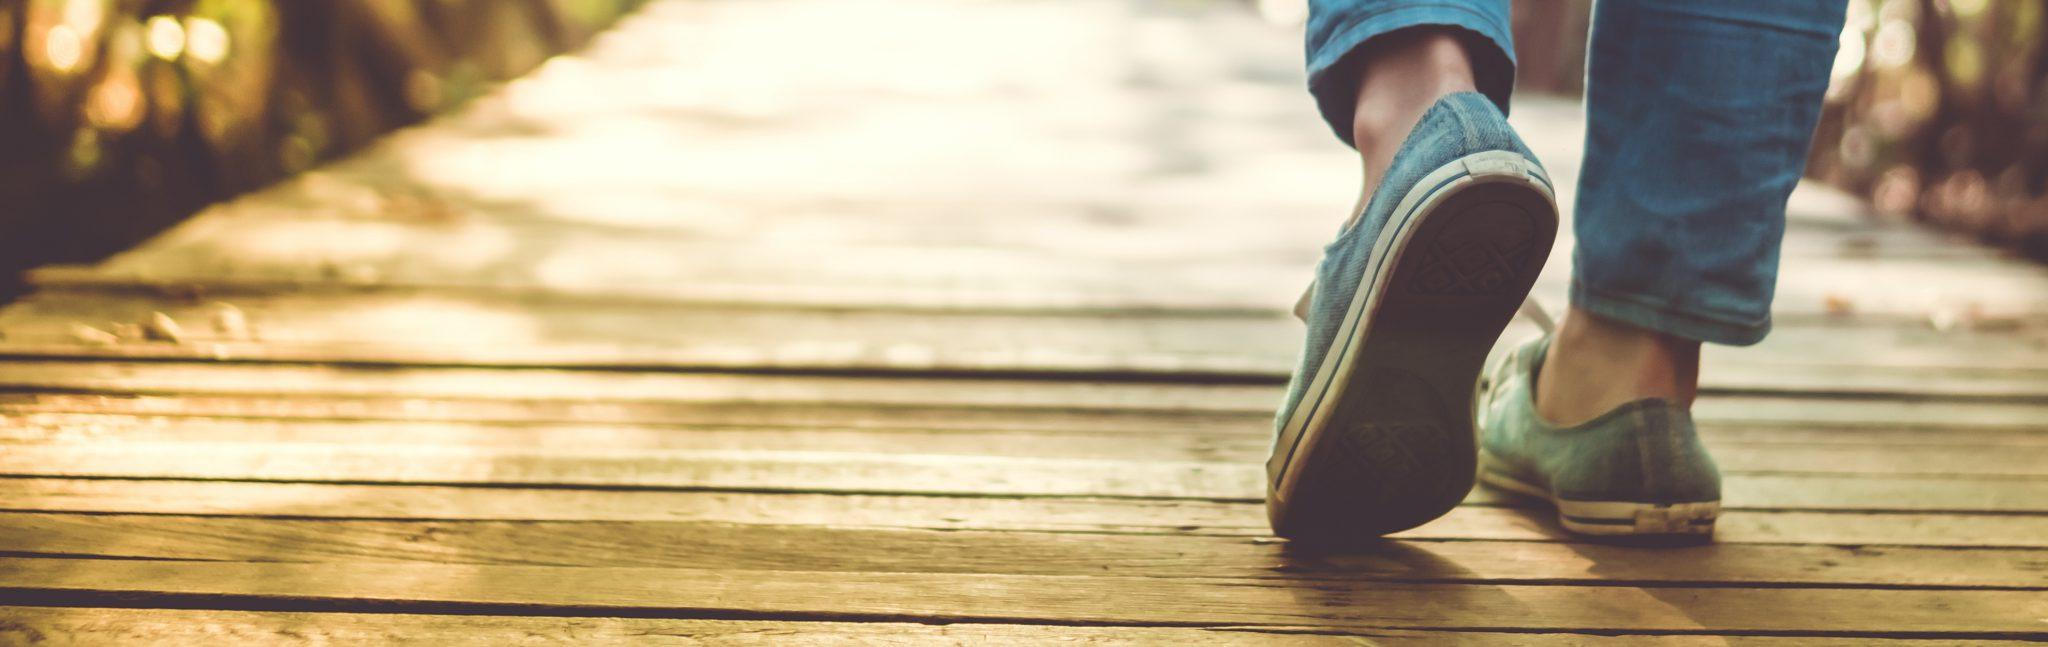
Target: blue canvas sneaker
1638,470
1375,435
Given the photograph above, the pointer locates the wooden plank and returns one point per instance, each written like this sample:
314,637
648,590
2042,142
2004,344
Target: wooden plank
864,472
605,387
736,470
1850,457
671,592
883,473
1778,451
59,626
1227,518
604,395
912,360
1218,265
1753,419
1144,516
380,328
788,548
1971,384
25,408
1866,412
486,330
1080,442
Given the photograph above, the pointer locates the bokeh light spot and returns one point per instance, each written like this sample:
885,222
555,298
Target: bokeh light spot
63,48
166,37
1893,46
1848,60
206,40
115,104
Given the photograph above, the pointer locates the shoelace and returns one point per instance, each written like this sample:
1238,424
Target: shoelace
1535,312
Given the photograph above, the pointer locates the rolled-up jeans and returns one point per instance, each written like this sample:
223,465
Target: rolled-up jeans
1699,116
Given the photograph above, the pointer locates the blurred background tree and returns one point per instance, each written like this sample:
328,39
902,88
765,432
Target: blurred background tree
120,117
1939,110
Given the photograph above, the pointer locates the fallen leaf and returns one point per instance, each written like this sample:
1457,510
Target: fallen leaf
94,336
161,327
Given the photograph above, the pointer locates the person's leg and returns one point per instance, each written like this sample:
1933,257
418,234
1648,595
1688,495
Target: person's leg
1699,119
1374,66
1399,76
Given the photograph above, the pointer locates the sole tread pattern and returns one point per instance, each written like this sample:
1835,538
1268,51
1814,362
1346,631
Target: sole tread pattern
1392,453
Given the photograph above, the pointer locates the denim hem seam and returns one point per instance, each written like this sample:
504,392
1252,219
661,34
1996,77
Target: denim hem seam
1358,30
1665,317
1492,31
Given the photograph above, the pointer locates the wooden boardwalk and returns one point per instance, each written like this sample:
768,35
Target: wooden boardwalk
817,321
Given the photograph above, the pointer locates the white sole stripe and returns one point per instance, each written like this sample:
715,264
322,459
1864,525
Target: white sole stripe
1332,374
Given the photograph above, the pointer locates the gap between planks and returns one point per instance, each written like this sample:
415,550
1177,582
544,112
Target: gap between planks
714,594
606,394
1058,515
871,473
1741,450
64,626
802,548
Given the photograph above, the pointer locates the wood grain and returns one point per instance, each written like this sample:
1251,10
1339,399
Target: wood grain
685,593
879,473
797,548
1741,450
468,330
1141,516
180,627
613,394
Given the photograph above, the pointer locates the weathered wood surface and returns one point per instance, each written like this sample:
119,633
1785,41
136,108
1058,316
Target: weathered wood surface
1093,599
1061,514
469,330
802,548
177,627
973,338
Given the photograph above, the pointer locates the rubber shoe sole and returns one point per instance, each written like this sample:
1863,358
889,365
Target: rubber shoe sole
1610,518
1382,438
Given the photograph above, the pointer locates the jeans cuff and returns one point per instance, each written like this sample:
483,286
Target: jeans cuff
1655,314
1334,86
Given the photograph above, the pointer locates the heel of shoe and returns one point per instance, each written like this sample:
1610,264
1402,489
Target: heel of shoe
1626,518
1393,461
1638,471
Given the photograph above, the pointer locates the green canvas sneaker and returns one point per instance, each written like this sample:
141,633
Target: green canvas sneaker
1638,470
1373,436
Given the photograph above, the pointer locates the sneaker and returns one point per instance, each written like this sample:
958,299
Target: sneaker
1638,470
1374,436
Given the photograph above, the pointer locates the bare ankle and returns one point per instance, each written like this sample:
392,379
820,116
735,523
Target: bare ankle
1596,364
1400,76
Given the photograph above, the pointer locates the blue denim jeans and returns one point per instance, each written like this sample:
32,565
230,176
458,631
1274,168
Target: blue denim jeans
1699,115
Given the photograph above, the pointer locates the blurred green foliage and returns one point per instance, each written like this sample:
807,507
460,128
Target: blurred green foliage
1939,110
119,117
